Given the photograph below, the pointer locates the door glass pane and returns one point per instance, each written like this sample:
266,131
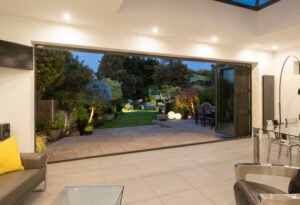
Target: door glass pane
225,104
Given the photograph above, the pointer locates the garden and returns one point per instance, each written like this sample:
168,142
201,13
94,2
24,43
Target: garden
125,91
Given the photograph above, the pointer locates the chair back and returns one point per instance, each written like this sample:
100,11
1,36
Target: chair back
272,123
291,121
207,111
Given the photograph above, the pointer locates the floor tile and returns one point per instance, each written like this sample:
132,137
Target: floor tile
167,183
190,197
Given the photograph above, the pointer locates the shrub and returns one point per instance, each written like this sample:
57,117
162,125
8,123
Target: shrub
42,125
80,113
127,106
208,94
137,106
40,142
59,120
117,104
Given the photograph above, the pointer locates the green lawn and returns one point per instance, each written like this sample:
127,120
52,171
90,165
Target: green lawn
132,119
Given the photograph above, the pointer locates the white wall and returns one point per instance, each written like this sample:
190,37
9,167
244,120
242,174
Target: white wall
26,31
290,83
17,105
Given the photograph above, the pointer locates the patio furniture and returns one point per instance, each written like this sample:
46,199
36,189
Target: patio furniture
209,117
91,195
276,138
162,117
199,115
205,113
251,193
15,186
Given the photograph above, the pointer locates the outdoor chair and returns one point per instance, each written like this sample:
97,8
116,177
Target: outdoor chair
200,115
275,138
251,193
209,116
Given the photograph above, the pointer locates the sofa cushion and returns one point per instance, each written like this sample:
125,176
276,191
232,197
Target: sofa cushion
246,193
294,185
15,185
9,156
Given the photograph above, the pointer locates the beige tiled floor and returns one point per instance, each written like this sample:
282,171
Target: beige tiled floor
200,174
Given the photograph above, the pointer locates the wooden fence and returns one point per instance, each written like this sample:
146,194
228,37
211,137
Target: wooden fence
46,109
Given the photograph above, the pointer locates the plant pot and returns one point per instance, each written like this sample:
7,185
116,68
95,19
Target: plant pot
88,132
54,134
81,124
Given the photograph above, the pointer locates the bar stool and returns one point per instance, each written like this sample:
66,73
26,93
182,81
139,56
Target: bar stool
294,121
274,138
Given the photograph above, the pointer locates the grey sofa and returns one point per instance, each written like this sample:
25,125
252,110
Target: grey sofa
250,193
15,186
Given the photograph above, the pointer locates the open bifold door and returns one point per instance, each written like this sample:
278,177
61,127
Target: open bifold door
233,88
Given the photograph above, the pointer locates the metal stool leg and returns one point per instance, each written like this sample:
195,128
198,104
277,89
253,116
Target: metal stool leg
269,150
290,155
298,156
279,152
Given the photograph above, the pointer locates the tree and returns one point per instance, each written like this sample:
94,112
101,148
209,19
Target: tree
186,100
115,86
76,75
109,66
173,73
49,69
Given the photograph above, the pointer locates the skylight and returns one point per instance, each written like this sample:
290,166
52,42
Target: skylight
250,4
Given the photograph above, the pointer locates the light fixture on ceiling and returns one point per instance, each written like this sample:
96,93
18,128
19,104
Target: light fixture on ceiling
215,39
155,30
274,47
67,16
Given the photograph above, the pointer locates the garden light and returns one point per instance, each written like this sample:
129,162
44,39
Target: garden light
171,115
178,116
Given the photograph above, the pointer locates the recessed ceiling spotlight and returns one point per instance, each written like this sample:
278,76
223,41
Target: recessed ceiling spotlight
214,39
155,30
274,47
67,16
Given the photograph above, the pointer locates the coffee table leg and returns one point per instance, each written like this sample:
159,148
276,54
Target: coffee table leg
256,153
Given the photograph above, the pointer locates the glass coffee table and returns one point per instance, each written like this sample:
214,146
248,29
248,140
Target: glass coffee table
91,195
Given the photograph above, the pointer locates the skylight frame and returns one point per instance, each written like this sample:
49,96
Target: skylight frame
257,6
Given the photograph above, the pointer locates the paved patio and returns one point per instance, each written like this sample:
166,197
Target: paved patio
130,139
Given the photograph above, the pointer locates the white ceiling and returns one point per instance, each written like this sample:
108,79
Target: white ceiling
196,20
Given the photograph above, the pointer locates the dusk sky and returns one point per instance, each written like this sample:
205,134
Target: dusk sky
93,59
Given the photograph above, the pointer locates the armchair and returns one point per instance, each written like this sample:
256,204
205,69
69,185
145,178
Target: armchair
251,193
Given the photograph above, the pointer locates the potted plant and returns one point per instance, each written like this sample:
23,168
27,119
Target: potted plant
88,130
81,116
56,126
40,142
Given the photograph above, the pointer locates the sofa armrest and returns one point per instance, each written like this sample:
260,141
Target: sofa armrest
242,170
34,160
279,199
